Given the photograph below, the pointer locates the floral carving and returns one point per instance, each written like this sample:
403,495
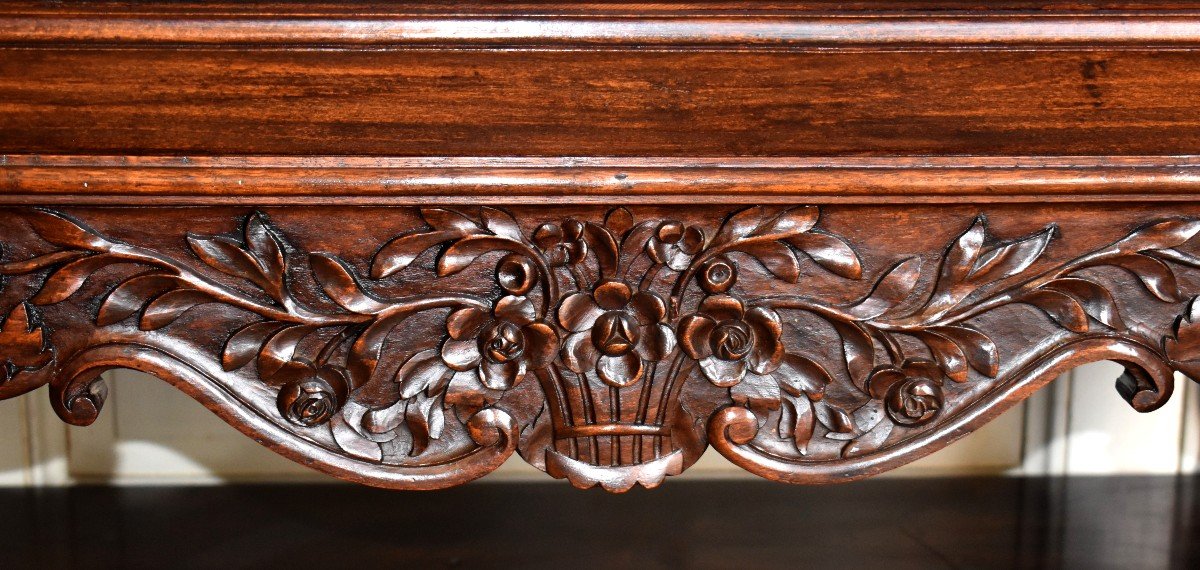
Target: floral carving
911,391
615,331
727,339
601,343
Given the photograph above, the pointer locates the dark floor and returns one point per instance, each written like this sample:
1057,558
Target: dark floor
893,524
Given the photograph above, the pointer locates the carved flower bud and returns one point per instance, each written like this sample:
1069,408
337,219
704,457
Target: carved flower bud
717,275
732,340
674,244
502,341
915,401
312,400
516,274
564,245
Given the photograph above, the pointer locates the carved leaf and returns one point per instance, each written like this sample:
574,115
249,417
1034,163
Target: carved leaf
869,441
1063,308
834,417
961,256
1158,279
501,223
604,246
279,349
1096,300
1183,347
339,283
1006,260
402,251
774,257
448,220
465,251
425,419
129,297
241,348
759,393
859,350
385,420
228,257
894,287
62,231
948,354
979,349
265,246
165,308
1159,235
69,278
740,224
1181,257
800,376
829,252
21,343
787,224
423,372
798,422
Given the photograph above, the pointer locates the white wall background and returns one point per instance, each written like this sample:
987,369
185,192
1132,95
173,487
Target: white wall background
149,433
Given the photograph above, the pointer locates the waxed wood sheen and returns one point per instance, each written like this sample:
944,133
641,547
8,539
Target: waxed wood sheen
400,243
599,103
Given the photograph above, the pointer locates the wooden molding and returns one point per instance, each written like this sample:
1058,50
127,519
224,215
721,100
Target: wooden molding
399,242
315,180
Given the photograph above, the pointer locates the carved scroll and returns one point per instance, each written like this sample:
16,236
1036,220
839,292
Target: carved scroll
608,347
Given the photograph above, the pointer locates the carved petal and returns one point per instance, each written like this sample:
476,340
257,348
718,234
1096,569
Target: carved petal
767,352
461,354
649,307
541,342
657,341
515,309
722,308
501,375
578,312
465,323
579,354
723,373
694,332
613,295
620,371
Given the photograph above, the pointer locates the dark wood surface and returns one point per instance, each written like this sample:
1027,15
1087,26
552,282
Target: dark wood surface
825,239
1085,523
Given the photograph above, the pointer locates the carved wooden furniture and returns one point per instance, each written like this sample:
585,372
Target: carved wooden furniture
400,242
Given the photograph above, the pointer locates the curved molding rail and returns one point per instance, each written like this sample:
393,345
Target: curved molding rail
38,179
417,348
976,30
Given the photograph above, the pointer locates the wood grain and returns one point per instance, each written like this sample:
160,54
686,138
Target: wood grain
401,242
598,103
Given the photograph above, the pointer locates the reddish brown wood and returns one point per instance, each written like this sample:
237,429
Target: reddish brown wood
824,238
822,349
625,102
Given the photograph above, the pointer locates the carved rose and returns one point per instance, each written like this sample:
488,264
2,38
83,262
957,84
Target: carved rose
674,245
727,339
613,330
912,392
310,395
563,244
501,345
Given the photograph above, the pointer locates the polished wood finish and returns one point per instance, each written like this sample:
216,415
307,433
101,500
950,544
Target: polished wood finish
399,243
